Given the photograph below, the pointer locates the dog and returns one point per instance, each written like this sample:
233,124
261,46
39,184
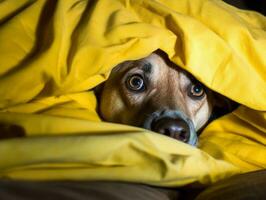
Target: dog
155,94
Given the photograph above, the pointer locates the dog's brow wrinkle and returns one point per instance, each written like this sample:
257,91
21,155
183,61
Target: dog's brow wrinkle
147,67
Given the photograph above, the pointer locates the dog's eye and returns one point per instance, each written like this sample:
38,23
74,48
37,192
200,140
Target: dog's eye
196,91
135,82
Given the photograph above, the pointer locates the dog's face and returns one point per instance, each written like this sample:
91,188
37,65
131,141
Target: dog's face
155,94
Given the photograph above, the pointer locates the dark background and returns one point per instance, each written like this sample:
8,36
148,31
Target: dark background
257,5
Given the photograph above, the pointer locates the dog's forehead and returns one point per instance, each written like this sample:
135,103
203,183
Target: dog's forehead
162,67
157,65
156,60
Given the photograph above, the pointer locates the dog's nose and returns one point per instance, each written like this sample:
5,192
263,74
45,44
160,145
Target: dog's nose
175,128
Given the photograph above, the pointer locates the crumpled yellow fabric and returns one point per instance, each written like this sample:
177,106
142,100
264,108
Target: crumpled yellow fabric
52,53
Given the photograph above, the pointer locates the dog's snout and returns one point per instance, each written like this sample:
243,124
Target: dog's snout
175,128
172,123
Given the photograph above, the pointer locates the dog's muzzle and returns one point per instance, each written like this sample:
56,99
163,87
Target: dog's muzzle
172,123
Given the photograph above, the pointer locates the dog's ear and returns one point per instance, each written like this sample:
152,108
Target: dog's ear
222,105
98,91
224,102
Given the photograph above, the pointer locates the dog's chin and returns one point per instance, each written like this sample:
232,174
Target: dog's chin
173,115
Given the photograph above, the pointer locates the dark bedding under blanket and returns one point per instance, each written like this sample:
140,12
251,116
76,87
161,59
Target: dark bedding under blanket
240,187
82,190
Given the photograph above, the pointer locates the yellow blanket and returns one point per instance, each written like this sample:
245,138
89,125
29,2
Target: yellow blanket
52,53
